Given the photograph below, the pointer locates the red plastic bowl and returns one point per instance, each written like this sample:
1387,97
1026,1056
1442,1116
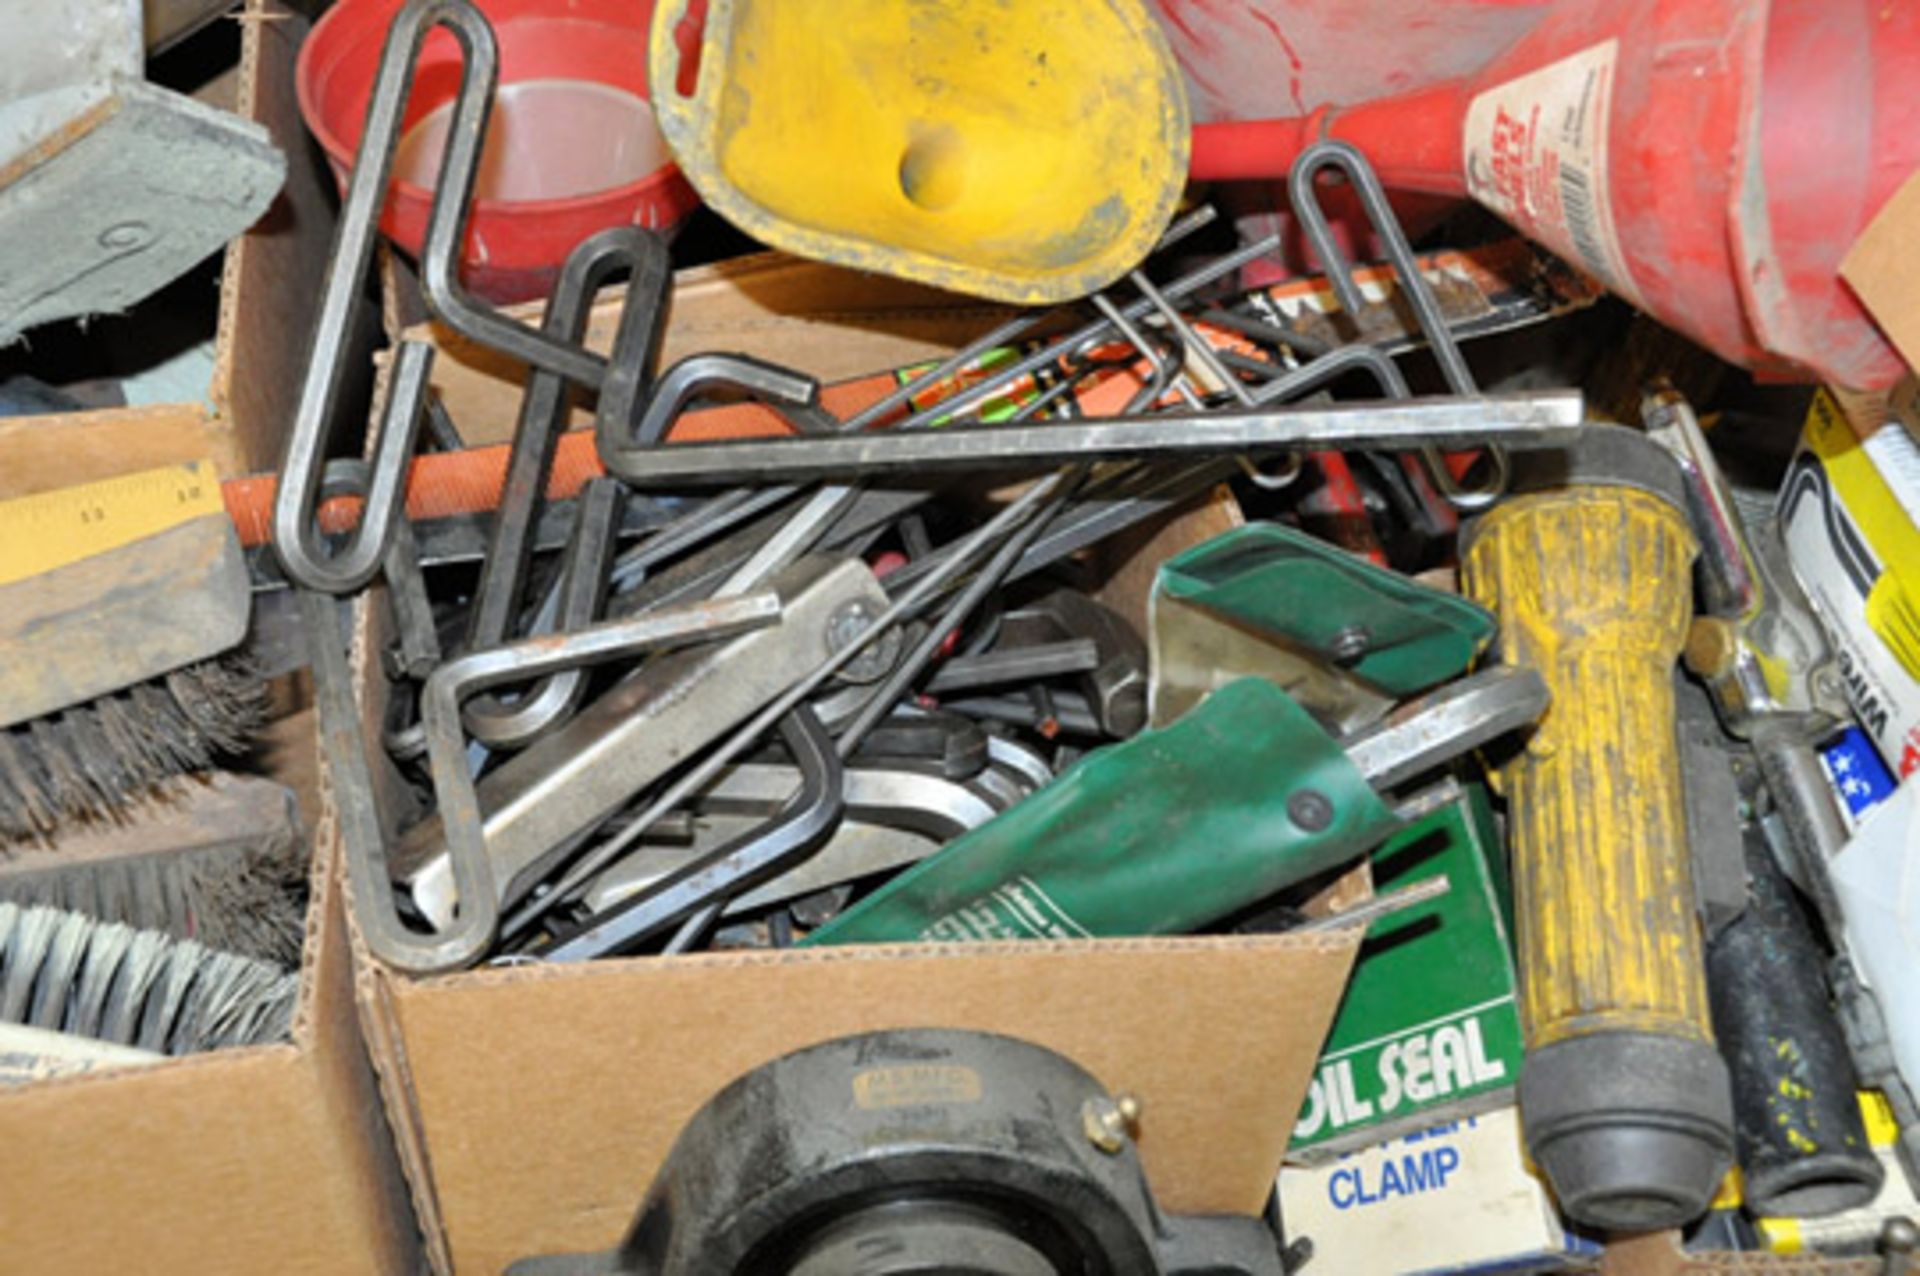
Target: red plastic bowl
514,246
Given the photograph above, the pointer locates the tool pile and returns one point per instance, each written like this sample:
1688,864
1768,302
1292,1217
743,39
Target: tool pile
1178,608
800,680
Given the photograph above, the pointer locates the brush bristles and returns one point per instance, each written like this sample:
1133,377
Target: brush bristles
88,761
247,895
69,973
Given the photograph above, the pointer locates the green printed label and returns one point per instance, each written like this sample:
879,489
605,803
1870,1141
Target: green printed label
1470,1053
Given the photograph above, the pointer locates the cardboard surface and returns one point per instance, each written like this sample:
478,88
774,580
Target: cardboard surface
48,452
1885,271
270,1158
547,1097
1659,1254
272,275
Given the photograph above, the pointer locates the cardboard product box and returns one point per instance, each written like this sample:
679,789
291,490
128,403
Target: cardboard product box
1429,1028
1458,1197
1850,517
269,280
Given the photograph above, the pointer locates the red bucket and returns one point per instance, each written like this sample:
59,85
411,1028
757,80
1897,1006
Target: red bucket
571,145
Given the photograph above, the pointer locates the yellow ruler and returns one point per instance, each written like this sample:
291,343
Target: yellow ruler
51,529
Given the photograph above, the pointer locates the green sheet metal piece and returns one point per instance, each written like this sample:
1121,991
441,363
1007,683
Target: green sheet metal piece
1162,834
1306,592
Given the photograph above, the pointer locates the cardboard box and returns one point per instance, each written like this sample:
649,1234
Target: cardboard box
1850,518
1882,268
262,1159
268,1158
1458,1197
533,1104
267,288
1429,1028
608,1060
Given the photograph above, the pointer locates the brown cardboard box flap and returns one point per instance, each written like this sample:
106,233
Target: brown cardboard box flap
268,1158
1884,269
827,321
45,453
547,1096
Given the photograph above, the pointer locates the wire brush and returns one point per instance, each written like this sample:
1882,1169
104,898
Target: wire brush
70,973
88,761
243,888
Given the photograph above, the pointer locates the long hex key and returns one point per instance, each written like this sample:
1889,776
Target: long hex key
1304,194
1115,504
350,776
446,236
1517,420
700,889
727,510
626,445
296,535
641,257
477,919
1061,487
895,684
1201,351
1012,330
546,703
619,399
969,547
419,638
543,414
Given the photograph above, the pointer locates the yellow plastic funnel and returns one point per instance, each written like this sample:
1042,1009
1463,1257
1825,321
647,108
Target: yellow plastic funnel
1025,150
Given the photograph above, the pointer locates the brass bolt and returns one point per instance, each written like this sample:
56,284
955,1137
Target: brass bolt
1711,647
1109,1122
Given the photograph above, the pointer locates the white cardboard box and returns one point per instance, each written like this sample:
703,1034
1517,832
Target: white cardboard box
1456,1198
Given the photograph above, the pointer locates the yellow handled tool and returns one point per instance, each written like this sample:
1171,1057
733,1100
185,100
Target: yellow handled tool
1624,1099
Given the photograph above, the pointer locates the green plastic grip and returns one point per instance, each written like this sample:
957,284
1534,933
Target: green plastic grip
1243,796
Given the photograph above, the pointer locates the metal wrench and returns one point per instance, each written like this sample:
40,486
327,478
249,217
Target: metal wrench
700,890
543,414
471,930
542,803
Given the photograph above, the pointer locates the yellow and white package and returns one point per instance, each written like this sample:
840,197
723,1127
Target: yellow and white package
1850,516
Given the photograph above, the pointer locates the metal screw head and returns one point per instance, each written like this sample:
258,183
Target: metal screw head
1712,646
1349,644
1109,1122
848,622
1310,811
